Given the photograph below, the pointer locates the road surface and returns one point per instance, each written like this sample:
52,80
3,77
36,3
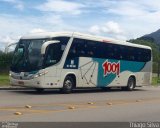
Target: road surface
85,105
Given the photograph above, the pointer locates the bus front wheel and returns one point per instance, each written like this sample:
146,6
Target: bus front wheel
68,85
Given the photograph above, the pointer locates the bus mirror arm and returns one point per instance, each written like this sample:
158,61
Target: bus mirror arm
9,45
46,44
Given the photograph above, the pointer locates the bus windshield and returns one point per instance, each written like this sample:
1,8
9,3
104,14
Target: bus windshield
27,56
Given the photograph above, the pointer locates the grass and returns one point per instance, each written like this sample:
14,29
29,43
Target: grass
155,81
4,79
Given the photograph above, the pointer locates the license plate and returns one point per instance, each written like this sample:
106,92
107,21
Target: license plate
21,82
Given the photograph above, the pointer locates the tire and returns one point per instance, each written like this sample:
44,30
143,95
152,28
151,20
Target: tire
68,85
131,84
39,90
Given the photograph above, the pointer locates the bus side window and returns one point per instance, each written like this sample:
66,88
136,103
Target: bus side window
100,52
121,52
131,54
116,52
103,50
147,55
80,47
76,49
72,53
109,51
139,55
90,48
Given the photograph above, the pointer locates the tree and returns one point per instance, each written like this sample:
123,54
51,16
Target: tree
5,61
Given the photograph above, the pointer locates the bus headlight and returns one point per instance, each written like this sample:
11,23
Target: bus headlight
40,74
11,74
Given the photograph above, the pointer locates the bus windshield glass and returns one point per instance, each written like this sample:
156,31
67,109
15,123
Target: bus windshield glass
27,56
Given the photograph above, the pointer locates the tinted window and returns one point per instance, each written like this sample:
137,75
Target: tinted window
53,54
77,48
55,51
95,49
63,40
84,48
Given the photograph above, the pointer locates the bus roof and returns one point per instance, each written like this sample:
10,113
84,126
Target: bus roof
42,35
82,36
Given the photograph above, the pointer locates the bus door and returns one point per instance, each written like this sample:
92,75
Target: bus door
52,57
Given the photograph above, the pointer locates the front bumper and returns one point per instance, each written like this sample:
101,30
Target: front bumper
32,83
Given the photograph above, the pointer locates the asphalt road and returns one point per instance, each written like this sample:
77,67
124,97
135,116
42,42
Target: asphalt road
87,105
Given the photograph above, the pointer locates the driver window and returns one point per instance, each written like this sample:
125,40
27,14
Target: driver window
54,53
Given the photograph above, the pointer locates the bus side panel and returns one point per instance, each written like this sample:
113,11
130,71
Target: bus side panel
88,72
120,80
110,70
85,70
95,72
65,72
144,76
52,77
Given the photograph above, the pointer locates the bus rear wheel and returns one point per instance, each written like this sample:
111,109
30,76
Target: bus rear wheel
68,85
131,84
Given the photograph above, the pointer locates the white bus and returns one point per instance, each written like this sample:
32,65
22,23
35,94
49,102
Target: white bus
68,60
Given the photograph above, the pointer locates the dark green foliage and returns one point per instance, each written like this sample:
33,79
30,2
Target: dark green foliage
5,61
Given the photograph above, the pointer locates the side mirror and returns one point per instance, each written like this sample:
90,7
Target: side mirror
10,45
46,44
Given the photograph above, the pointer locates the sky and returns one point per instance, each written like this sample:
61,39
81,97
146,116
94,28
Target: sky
119,19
